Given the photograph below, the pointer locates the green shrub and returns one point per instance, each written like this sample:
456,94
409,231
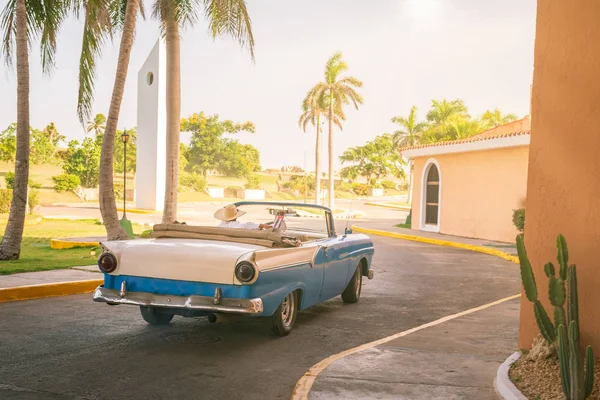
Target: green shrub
193,181
254,182
518,219
360,189
5,199
146,234
388,185
65,182
9,178
374,184
301,183
33,197
119,190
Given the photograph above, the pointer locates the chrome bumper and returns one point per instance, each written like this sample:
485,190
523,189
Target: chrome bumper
214,304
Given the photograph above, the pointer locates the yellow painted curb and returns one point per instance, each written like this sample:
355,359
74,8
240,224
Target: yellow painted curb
385,205
59,244
48,290
305,383
137,211
439,242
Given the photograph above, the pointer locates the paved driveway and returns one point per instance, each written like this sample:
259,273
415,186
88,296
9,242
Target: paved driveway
70,347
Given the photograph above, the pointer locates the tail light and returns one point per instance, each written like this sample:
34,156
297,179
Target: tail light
107,262
245,272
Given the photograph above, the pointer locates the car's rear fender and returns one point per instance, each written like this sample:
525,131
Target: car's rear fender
273,299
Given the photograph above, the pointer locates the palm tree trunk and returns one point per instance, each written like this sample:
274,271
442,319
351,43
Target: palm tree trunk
318,163
331,180
10,248
108,206
173,119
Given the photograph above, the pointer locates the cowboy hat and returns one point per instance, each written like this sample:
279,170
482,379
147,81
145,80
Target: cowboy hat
229,213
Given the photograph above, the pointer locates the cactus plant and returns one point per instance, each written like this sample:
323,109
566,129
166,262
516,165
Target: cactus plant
577,377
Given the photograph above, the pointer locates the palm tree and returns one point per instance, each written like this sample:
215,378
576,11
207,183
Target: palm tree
100,18
97,125
496,118
21,21
439,117
409,134
338,91
312,111
462,128
224,17
410,130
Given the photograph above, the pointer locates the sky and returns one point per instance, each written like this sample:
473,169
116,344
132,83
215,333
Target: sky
407,52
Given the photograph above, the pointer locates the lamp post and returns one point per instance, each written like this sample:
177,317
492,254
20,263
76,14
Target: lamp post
124,139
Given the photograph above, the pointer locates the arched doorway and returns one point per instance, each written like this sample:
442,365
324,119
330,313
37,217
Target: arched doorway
430,210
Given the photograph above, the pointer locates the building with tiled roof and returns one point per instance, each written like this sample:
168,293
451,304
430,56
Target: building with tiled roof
469,187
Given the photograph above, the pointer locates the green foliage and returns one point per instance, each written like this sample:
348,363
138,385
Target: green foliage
83,160
518,219
210,150
5,199
119,190
577,377
410,131
360,189
193,181
33,196
42,149
9,178
254,182
388,184
119,151
375,159
8,143
301,183
146,234
65,182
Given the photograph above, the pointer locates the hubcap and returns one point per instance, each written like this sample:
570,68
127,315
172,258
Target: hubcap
287,310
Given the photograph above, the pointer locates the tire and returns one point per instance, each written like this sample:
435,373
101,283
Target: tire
285,316
153,317
352,292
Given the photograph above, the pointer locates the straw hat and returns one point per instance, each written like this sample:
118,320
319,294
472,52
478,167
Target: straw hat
229,213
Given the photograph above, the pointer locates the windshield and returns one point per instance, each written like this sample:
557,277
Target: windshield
287,218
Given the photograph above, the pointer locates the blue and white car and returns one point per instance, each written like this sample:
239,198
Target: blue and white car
203,271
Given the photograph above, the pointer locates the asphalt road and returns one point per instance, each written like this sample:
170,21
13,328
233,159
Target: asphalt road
71,347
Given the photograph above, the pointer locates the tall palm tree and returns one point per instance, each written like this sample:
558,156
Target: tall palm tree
409,134
496,118
224,17
97,125
101,16
462,128
21,21
440,114
410,129
338,91
313,109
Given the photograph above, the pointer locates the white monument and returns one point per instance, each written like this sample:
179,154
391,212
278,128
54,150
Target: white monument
151,131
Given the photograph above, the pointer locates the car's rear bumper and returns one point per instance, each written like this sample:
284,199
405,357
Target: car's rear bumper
217,303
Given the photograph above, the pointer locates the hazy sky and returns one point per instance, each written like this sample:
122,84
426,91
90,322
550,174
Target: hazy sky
407,52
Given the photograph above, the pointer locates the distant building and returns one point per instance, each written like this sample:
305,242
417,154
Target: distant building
470,187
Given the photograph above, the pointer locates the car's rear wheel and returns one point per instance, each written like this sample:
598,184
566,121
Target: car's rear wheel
285,316
352,292
152,316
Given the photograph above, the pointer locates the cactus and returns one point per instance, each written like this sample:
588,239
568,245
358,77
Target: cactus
577,382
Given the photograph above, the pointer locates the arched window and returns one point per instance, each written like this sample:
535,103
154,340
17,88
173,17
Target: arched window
432,196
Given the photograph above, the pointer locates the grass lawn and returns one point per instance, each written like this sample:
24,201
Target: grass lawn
36,254
405,226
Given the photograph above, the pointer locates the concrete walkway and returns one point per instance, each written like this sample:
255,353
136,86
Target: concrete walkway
54,276
457,359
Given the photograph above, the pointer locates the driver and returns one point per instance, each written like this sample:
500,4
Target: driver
229,215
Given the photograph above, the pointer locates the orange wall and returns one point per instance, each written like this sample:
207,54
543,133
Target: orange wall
479,191
564,170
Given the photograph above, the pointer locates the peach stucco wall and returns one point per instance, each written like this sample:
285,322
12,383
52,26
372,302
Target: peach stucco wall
479,190
564,170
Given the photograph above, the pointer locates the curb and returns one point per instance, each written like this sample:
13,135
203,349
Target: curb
439,242
386,205
48,290
504,386
138,211
60,244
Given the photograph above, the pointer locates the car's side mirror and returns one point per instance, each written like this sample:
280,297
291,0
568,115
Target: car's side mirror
348,231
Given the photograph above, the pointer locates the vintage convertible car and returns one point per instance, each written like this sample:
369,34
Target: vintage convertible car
203,271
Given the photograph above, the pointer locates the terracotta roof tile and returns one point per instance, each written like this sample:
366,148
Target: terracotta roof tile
476,138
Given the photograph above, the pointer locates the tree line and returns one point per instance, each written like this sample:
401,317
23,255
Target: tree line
23,21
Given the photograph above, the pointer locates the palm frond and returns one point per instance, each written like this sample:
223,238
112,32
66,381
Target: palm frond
97,27
8,25
55,12
334,66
